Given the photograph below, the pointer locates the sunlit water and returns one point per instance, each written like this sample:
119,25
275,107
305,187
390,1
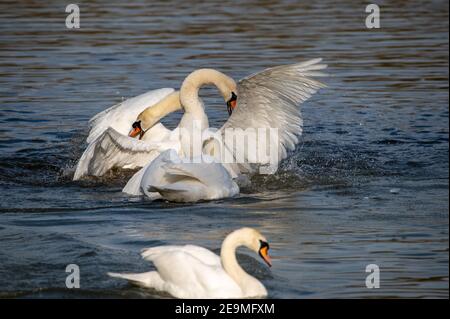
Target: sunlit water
368,183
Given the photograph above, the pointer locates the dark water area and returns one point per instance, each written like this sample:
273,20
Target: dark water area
368,183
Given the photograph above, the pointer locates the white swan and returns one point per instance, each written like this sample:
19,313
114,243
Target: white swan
109,144
266,100
196,272
175,179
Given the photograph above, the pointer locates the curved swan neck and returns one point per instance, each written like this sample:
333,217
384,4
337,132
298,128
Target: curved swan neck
154,113
228,257
193,82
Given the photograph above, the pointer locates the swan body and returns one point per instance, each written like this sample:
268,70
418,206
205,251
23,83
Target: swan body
109,144
195,272
169,178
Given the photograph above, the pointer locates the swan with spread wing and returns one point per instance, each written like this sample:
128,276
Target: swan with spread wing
265,100
111,143
186,176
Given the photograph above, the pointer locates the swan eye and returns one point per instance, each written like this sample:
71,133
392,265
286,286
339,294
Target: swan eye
137,130
263,244
136,124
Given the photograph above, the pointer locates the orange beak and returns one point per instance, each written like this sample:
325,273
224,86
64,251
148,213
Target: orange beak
264,253
135,132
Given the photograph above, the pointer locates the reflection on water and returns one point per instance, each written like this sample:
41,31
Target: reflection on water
381,124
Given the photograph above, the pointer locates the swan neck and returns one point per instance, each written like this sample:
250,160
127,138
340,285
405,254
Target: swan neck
167,105
229,261
194,81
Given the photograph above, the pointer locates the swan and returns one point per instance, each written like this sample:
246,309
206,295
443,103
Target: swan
191,176
108,143
265,100
196,272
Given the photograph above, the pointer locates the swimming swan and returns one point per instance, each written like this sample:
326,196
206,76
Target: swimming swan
183,178
196,272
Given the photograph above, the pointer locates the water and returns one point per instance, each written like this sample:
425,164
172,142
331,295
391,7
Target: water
367,184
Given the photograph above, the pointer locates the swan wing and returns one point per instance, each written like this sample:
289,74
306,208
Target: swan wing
203,254
270,99
122,115
112,149
192,272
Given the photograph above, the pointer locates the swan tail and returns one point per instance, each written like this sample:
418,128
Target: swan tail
149,279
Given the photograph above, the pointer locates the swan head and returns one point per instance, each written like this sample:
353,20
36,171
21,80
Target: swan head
143,123
255,241
151,115
137,129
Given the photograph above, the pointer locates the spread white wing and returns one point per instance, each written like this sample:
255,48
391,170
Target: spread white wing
269,100
122,115
108,142
112,149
